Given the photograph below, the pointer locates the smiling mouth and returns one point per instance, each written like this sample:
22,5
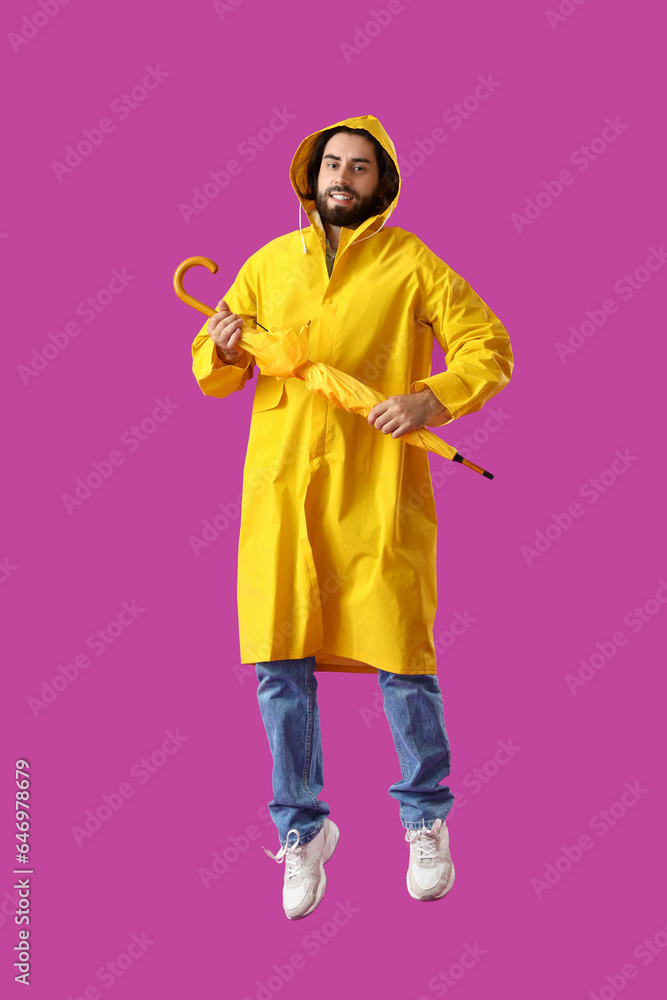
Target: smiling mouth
341,198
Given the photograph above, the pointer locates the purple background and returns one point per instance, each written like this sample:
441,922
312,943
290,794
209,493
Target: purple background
172,667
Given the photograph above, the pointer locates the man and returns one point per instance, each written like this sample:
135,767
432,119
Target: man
337,549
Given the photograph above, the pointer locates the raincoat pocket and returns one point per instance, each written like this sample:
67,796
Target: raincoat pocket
268,393
266,441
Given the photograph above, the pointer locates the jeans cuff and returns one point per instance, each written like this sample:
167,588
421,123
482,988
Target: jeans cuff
428,823
306,837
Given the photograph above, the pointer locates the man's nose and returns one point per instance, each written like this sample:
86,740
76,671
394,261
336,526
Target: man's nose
345,176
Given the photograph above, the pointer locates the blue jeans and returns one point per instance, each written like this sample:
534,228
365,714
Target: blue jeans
287,696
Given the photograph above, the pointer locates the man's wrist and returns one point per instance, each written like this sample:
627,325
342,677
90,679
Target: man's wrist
227,361
437,408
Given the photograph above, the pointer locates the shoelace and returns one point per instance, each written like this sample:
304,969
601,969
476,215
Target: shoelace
425,843
291,854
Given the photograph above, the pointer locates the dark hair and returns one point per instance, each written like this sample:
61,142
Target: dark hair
388,175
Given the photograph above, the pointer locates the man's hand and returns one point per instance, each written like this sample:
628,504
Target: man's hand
399,414
224,329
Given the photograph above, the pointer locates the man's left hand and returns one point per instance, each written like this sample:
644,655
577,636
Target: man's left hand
397,415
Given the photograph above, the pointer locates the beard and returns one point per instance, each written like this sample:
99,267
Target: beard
352,213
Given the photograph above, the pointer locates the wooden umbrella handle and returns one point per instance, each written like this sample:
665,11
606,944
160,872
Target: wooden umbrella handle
178,283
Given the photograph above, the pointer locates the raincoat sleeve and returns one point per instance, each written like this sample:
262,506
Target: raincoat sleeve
215,376
478,353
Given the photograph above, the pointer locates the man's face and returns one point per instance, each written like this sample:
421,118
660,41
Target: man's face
347,184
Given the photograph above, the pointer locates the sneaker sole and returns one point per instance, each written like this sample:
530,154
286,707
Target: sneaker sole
431,899
330,845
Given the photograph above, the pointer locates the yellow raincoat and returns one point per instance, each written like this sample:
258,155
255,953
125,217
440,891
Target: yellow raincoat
336,559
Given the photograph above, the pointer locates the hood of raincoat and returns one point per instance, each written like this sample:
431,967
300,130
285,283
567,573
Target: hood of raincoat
299,178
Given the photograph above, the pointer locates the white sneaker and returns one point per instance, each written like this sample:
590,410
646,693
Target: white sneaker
305,878
430,871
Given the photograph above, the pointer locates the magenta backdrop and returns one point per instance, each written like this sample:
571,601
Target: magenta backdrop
149,766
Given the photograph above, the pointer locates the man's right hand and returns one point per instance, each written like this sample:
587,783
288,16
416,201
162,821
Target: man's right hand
224,329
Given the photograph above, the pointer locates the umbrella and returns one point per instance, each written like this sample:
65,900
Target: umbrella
284,354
